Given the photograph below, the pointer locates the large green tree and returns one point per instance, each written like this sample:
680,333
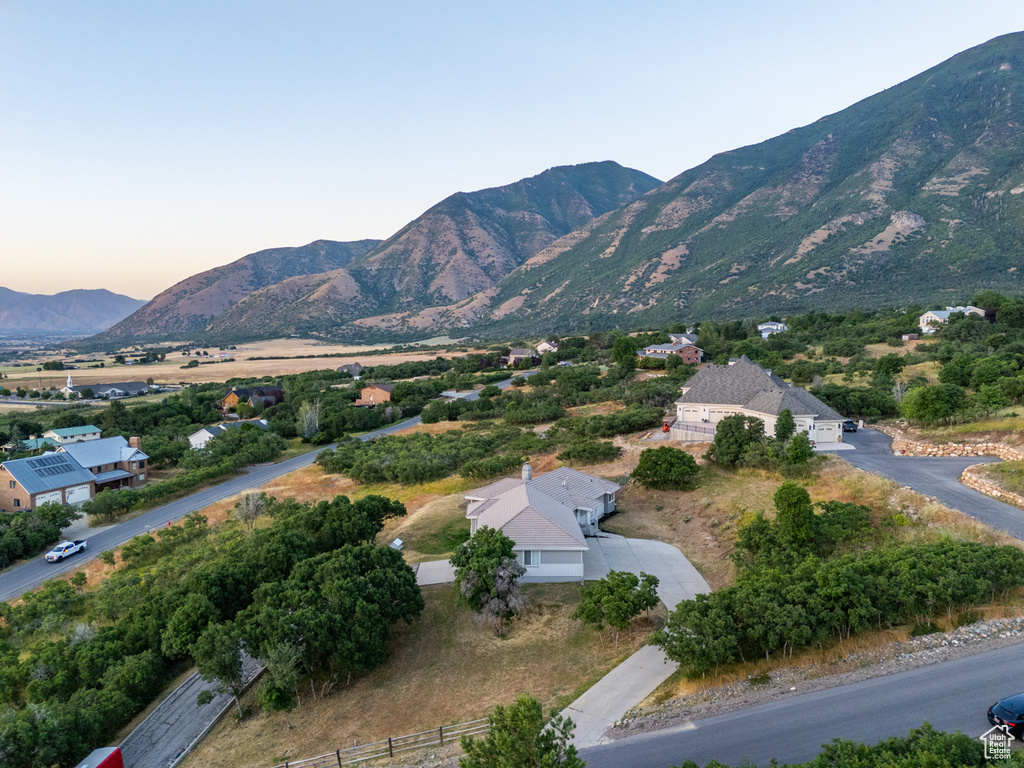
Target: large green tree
519,738
616,600
665,468
477,563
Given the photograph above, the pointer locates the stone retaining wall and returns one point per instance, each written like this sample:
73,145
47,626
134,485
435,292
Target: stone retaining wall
974,477
904,446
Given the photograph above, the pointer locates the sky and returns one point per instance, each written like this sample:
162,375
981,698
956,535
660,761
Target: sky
143,142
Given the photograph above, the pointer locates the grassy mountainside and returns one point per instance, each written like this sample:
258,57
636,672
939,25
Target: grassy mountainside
186,309
77,311
463,245
914,193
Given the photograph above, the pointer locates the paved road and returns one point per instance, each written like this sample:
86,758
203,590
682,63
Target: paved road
936,477
16,581
952,696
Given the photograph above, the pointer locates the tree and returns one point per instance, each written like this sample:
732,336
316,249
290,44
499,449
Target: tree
616,600
17,440
479,563
932,404
277,691
794,513
506,599
309,418
518,738
732,438
799,450
187,623
665,468
218,657
785,426
624,354
250,508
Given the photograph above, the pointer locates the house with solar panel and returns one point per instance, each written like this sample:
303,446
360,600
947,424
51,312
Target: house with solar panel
548,518
113,461
54,478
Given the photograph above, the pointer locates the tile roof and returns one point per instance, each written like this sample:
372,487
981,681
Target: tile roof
540,513
747,384
95,453
47,473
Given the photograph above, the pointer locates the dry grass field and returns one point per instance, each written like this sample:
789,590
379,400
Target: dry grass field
171,371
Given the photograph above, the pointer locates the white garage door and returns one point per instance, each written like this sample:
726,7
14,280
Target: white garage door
78,494
826,434
46,498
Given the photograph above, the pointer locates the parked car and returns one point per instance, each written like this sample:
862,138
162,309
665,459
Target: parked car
65,549
849,426
1008,711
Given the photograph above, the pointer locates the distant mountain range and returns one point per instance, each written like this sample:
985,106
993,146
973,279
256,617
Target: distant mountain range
914,194
67,313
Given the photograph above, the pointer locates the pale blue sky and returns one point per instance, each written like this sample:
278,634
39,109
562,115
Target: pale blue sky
144,141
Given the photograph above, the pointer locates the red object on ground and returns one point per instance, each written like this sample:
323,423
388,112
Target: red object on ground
105,757
664,426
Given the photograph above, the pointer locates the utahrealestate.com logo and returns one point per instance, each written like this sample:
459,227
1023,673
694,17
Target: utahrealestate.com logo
997,742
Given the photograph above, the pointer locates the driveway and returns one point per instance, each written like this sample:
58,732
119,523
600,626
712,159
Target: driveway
636,678
934,476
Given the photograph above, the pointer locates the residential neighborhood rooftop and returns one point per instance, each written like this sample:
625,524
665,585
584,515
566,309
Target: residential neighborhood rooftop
48,472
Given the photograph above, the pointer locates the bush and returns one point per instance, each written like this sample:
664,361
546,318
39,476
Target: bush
589,452
665,468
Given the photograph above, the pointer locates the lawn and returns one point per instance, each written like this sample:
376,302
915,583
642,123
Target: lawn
1008,475
446,667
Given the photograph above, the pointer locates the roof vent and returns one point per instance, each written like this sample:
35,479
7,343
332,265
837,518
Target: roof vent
527,472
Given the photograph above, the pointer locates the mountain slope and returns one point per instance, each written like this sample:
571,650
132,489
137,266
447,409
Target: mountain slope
68,312
463,245
912,194
188,306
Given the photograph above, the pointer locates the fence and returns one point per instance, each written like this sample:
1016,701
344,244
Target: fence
392,746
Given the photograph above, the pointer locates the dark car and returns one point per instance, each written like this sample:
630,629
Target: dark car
1008,711
849,426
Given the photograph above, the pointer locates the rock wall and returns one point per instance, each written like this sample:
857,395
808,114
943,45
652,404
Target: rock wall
974,477
904,446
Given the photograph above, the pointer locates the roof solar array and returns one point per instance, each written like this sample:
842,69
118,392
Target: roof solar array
50,466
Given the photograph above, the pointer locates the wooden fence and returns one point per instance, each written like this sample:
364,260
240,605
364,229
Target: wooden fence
394,745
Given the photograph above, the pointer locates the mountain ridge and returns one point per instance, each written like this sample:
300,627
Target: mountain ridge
78,311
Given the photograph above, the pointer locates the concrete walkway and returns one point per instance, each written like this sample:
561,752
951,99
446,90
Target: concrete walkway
434,572
636,678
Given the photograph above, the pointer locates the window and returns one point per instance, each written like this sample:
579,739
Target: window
142,477
531,557
17,502
13,484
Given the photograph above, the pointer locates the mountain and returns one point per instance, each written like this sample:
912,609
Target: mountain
913,194
464,244
66,313
187,307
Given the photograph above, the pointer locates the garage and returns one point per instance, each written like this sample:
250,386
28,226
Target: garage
826,433
47,498
78,494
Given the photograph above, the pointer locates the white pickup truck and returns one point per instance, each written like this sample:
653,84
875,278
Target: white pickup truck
65,549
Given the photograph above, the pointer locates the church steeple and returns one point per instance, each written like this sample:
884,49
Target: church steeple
70,385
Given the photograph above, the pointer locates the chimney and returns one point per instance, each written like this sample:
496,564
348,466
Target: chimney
527,472
135,442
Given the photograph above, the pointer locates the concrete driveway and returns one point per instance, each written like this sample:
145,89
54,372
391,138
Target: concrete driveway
636,678
678,579
932,476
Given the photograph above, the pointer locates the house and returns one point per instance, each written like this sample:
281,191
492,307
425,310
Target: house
112,391
199,439
690,353
67,435
744,387
32,444
517,354
934,317
683,338
355,370
547,517
250,396
113,462
546,346
375,394
767,329
910,337
51,478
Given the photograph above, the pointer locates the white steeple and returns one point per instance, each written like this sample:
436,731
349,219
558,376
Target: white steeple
70,385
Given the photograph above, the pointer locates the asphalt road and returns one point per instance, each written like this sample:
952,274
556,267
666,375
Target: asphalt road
936,477
20,579
952,696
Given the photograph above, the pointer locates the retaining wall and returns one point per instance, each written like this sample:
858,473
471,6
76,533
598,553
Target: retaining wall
974,477
903,445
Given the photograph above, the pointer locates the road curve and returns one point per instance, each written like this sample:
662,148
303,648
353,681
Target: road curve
952,696
29,575
933,476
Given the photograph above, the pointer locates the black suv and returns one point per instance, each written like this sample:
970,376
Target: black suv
849,426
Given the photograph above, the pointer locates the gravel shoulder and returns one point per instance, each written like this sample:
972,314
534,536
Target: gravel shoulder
790,681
